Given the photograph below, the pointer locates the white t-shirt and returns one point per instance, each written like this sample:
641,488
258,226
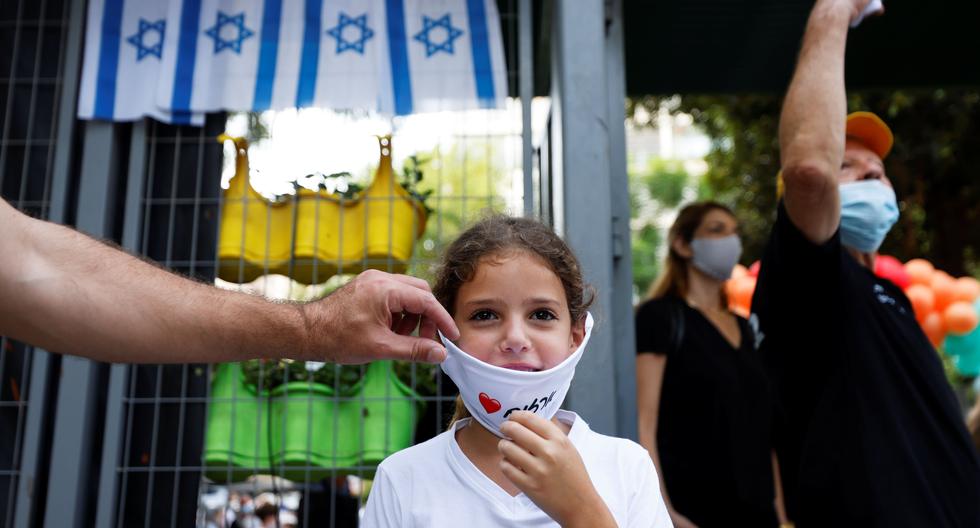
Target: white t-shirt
434,484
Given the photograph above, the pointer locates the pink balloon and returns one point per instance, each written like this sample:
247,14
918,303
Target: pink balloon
889,267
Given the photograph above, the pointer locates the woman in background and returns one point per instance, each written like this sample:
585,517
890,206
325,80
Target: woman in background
705,408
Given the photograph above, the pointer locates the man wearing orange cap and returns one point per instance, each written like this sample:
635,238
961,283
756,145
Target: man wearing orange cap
869,432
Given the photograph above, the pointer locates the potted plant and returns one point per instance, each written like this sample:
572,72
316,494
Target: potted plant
314,235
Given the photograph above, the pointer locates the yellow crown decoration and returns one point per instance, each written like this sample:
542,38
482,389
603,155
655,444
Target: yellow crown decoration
315,234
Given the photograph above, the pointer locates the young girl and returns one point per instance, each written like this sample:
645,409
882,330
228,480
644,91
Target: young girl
511,457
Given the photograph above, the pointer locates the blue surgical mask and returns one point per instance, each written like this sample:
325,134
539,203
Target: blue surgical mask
868,210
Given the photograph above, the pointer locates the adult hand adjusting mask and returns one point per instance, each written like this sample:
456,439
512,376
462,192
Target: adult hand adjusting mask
491,393
868,210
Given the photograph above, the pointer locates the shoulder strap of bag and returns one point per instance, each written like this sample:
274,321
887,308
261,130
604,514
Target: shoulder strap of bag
677,326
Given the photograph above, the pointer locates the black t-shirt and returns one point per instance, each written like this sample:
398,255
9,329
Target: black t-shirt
868,431
713,431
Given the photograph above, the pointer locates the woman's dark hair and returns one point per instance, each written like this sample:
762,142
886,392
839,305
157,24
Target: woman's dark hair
500,236
673,278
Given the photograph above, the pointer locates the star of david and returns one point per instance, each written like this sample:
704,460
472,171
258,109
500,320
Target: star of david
428,24
237,21
337,32
139,39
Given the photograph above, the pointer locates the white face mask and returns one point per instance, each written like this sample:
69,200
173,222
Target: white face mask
491,393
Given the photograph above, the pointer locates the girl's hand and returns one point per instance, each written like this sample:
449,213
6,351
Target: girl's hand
543,463
680,521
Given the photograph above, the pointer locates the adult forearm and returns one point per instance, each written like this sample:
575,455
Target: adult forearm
779,500
655,456
68,293
973,423
648,439
811,128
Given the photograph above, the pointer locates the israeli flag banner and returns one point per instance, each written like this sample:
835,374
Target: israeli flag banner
190,57
275,54
443,55
122,61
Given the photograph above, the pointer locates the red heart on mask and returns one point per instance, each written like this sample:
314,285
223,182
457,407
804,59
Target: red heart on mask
489,404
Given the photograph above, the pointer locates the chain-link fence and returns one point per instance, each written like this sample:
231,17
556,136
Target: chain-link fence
213,444
32,40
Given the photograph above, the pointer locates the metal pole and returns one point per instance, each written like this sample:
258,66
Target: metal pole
35,427
75,427
526,80
581,161
119,373
621,321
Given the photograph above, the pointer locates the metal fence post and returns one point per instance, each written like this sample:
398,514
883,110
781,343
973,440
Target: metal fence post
621,310
76,427
525,79
107,506
36,429
589,176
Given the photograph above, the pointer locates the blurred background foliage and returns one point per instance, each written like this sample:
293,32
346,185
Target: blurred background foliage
653,194
934,167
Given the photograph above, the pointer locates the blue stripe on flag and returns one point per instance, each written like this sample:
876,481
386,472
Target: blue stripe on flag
105,84
180,105
311,54
482,68
181,117
401,83
268,53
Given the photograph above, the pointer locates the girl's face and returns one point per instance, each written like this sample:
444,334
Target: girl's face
513,314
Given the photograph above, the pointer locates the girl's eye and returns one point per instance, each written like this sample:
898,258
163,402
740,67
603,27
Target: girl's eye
543,315
482,315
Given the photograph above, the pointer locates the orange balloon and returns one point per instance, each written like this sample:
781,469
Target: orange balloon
920,271
922,299
960,318
934,329
742,291
944,288
967,289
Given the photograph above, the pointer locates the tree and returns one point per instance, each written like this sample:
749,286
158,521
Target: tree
461,183
933,166
653,194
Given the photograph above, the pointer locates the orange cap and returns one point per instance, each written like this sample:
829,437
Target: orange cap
871,131
865,127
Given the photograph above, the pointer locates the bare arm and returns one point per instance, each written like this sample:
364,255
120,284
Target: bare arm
779,501
811,127
649,382
973,422
68,293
